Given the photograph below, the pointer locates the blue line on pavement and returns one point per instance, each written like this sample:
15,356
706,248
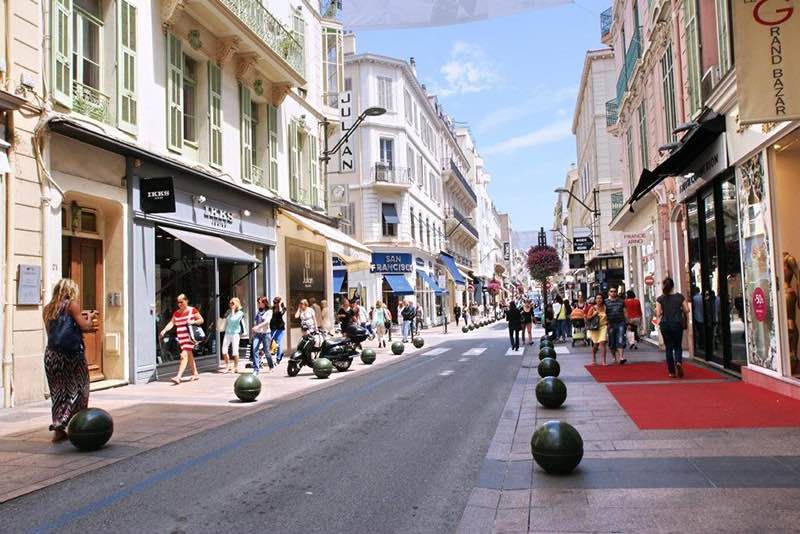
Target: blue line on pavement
65,519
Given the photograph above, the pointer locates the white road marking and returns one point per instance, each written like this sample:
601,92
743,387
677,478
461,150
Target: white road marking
463,359
475,352
447,372
436,352
512,352
562,350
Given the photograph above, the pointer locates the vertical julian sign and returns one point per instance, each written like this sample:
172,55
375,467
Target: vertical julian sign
346,154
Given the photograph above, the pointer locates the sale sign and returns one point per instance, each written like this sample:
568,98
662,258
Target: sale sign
759,305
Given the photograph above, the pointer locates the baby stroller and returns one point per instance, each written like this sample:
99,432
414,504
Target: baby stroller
578,321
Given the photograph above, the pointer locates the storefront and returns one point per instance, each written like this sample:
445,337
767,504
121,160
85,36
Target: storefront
392,273
455,282
204,240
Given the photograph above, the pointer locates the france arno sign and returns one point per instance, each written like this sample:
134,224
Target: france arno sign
767,48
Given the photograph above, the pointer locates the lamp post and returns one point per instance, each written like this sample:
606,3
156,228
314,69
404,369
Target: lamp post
595,211
369,112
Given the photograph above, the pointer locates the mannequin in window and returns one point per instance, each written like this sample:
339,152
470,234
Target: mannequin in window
791,282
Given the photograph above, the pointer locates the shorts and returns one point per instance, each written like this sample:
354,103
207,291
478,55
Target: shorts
616,336
230,342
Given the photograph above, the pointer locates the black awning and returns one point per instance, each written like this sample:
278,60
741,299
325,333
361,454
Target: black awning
692,144
390,214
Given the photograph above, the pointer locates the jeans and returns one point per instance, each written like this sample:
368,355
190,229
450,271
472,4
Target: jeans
277,337
673,340
260,343
407,329
616,336
369,328
513,334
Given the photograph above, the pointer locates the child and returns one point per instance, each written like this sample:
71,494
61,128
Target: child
631,336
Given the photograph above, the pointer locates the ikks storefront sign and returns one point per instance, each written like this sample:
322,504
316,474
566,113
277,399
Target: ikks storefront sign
767,46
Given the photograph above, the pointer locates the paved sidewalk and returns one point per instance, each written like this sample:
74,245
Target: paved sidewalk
151,415
630,480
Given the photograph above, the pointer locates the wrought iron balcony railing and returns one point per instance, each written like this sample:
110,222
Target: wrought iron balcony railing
257,176
461,220
632,56
271,31
91,102
464,182
612,112
606,18
391,175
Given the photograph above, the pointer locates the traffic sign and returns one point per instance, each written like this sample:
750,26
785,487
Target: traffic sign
580,244
649,280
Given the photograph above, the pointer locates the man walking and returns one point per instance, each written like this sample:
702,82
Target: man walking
408,313
457,313
615,311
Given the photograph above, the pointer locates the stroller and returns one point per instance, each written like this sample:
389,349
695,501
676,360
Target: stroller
578,321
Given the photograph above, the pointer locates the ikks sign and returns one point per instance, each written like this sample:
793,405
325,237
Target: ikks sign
767,46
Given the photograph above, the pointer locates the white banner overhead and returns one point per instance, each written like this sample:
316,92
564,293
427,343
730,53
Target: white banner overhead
371,14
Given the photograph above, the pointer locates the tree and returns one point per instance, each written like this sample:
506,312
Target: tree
543,262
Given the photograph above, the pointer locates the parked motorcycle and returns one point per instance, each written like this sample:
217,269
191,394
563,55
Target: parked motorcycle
339,350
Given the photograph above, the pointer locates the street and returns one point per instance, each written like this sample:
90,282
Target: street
397,450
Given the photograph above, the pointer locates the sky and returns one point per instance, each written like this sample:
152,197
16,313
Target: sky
513,81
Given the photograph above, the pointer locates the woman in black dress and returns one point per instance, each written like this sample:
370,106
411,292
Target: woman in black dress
527,321
514,319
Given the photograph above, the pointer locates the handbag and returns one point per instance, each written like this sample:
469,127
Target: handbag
196,333
593,323
64,335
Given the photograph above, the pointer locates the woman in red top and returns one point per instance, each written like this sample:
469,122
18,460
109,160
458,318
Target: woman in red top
184,316
633,312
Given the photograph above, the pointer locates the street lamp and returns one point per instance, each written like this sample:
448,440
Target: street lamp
594,211
374,111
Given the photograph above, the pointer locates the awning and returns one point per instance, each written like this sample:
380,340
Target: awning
399,284
450,264
212,246
428,279
354,254
338,280
390,214
692,144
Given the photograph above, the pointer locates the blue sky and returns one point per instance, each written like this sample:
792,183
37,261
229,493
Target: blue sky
514,81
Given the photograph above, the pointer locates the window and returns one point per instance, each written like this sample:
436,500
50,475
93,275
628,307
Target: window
407,107
61,37
348,84
174,93
643,136
420,172
410,161
272,129
215,114
332,63
86,28
385,93
413,225
616,203
390,219
347,222
126,67
295,149
387,152
419,219
314,179
428,231
630,159
668,88
246,132
724,36
189,100
693,53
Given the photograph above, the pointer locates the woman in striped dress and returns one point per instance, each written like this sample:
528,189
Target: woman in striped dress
184,316
65,367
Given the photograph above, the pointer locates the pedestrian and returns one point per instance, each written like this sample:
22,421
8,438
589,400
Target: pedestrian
182,320
559,315
514,319
419,320
312,303
307,317
549,321
408,313
277,325
457,313
260,334
388,316
64,359
597,325
233,331
325,316
466,315
566,325
527,321
343,315
672,313
615,311
379,322
363,317
633,311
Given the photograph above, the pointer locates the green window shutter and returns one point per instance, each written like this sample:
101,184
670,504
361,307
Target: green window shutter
272,127
246,126
61,48
126,67
215,114
314,178
174,93
294,160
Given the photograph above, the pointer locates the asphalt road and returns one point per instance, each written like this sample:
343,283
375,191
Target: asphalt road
395,450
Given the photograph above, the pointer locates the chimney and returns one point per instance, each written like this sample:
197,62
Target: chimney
349,43
413,65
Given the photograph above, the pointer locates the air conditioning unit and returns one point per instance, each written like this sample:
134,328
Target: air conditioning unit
708,82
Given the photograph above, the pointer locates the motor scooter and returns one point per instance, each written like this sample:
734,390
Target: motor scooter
339,350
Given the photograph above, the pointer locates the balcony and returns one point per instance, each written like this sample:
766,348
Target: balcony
606,18
458,220
91,102
460,258
612,112
247,28
389,176
632,56
257,176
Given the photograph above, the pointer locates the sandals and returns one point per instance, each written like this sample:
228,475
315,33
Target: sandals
175,380
194,378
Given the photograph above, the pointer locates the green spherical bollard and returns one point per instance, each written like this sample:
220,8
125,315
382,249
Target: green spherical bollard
547,352
551,392
557,447
368,356
472,327
247,387
465,329
322,368
549,367
546,338
90,429
398,347
418,342
546,343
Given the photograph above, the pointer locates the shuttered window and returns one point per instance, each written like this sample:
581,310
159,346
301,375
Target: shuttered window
385,93
272,129
61,46
126,67
317,191
294,163
174,93
246,129
215,114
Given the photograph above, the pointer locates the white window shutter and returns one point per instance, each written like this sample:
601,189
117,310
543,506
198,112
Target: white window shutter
61,49
272,119
246,126
126,67
215,114
174,93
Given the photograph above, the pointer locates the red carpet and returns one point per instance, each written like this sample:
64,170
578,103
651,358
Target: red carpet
646,372
706,405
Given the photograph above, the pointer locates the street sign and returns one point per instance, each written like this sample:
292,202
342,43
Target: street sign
580,244
649,280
